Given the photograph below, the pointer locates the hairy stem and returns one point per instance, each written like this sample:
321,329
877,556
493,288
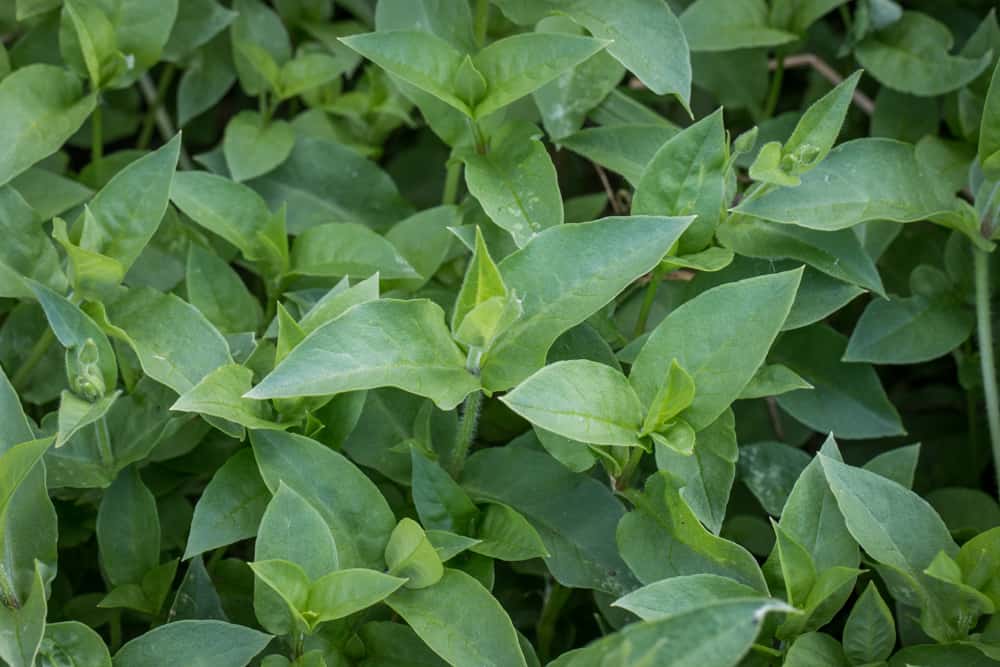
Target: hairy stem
987,365
35,355
466,431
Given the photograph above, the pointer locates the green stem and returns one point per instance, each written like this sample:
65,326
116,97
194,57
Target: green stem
97,135
466,431
981,261
628,470
451,180
35,355
116,631
482,21
775,92
546,628
647,300
104,442
149,122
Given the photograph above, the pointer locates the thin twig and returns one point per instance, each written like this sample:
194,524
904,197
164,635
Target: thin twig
612,198
163,122
824,69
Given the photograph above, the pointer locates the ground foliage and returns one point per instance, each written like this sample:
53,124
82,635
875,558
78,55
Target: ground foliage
498,332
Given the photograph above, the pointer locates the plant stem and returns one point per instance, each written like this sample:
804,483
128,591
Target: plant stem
163,122
981,261
482,21
451,181
775,92
166,78
35,355
115,631
628,470
466,431
96,136
104,442
647,300
545,631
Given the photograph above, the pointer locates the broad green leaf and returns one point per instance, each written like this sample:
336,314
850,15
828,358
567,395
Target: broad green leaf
707,476
215,289
773,380
258,26
206,80
506,535
346,592
27,520
48,193
74,639
674,395
347,249
582,400
679,595
625,149
450,20
566,274
323,181
196,596
281,591
43,106
292,529
948,654
909,330
308,71
22,624
721,337
410,555
770,470
198,21
989,131
128,210
836,253
193,643
860,180
87,42
723,25
574,514
796,570
712,634
254,146
817,130
231,506
912,56
645,37
417,57
662,524
847,399
76,413
798,15
425,241
440,501
482,282
891,523
179,356
381,343
518,65
815,649
460,621
142,28
687,176
31,254
336,302
28,8
128,529
515,182
349,502
870,632
220,394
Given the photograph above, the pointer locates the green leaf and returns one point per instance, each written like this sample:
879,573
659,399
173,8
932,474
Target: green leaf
253,146
566,274
32,255
281,593
76,413
720,337
449,20
625,149
87,42
662,523
440,501
721,633
206,80
815,649
351,505
505,534
582,400
460,621
675,394
22,626
410,555
847,399
518,65
382,343
258,26
75,639
194,643
723,25
687,176
231,506
770,470
515,182
215,289
220,394
911,56
482,282
43,106
417,57
817,130
860,180
346,592
308,71
870,632
128,529
198,21
773,380
798,15
989,131
348,249
574,514
909,330
679,595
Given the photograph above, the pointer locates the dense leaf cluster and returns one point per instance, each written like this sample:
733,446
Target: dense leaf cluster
499,333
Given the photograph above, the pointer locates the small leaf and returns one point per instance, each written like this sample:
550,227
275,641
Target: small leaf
347,249
346,592
409,554
194,643
505,534
253,146
870,632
